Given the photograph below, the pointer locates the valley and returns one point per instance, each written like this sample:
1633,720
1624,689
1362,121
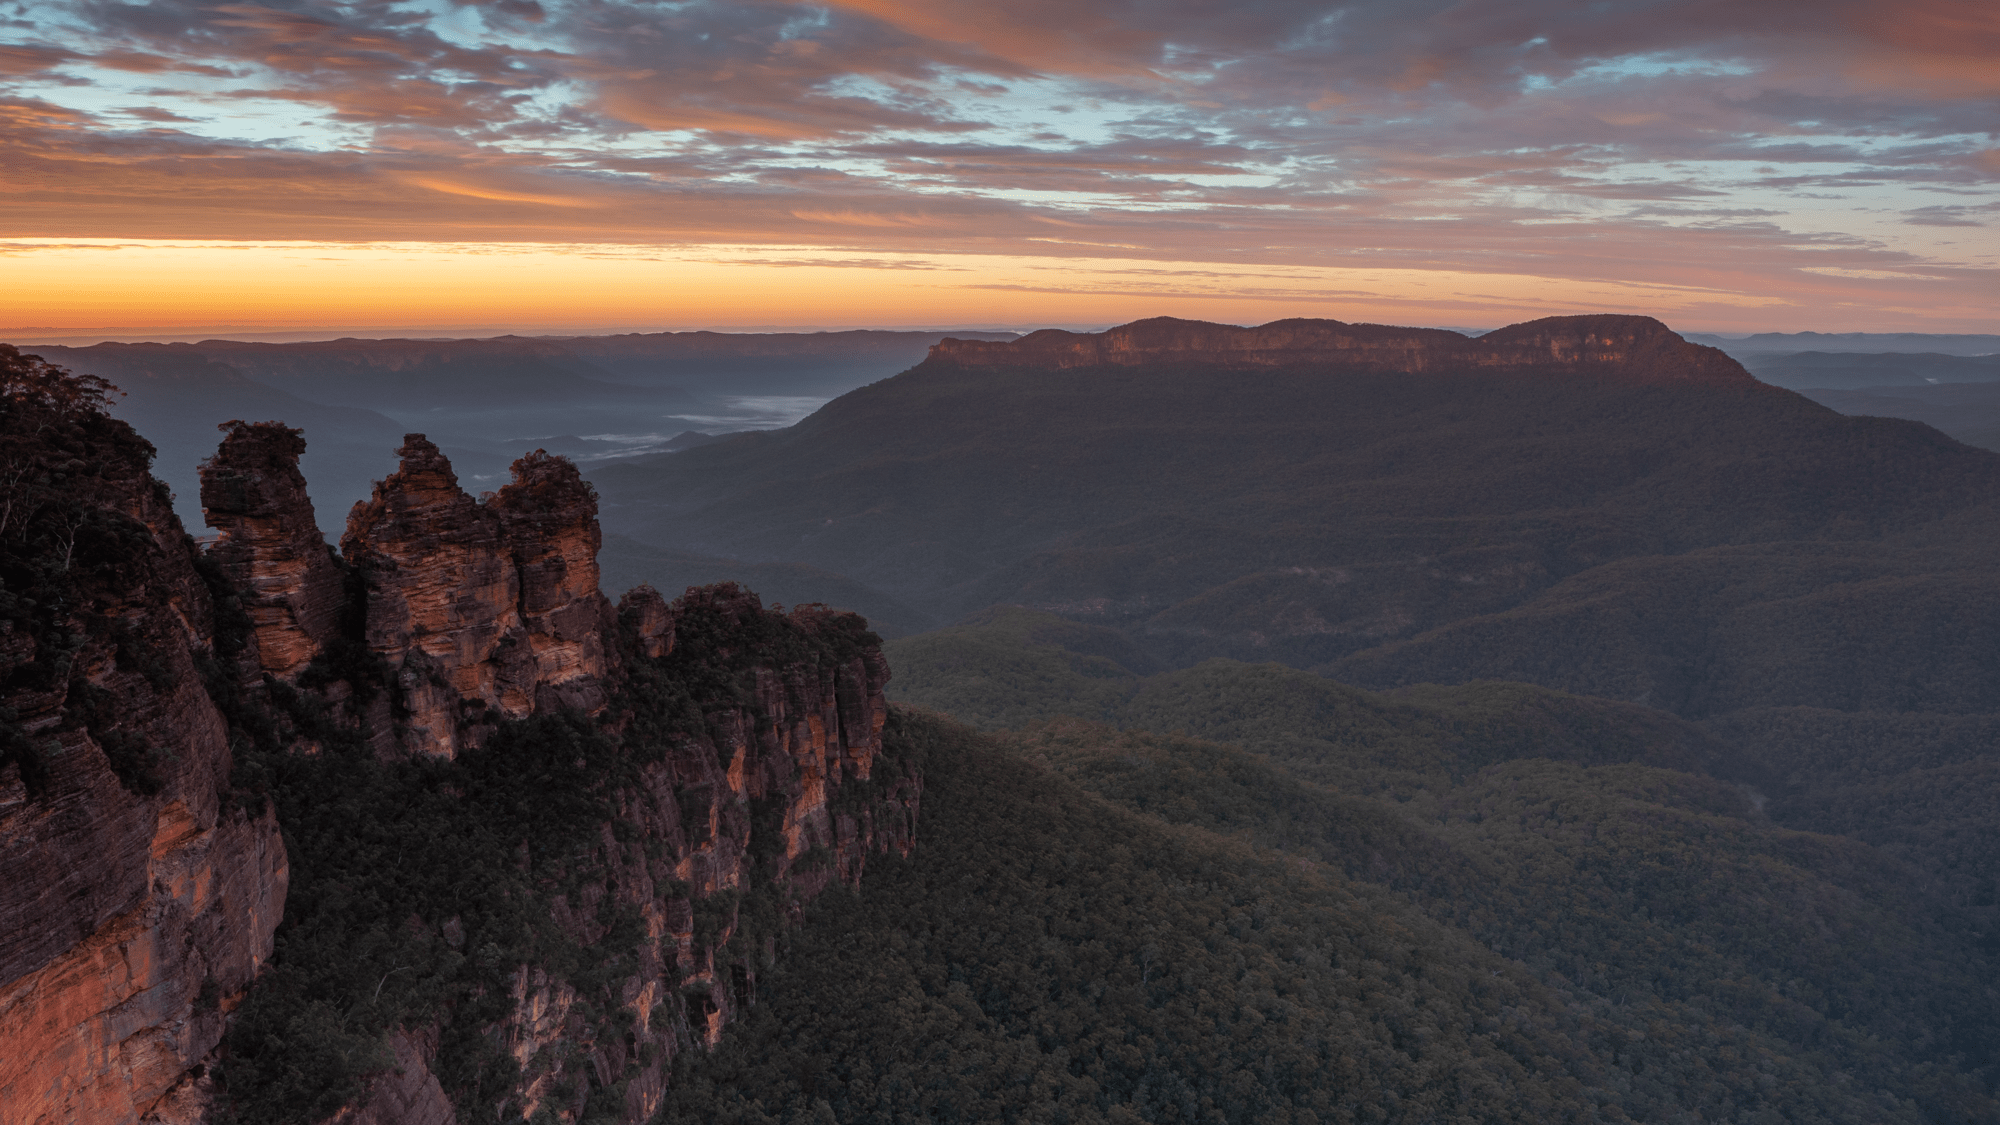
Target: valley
1316,722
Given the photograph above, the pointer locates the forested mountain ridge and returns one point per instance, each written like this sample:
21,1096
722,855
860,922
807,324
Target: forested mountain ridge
485,401
1107,927
1327,510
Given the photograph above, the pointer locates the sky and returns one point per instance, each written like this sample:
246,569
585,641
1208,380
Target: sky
545,165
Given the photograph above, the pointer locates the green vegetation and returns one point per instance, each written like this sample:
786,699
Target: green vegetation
68,558
420,887
1093,928
1784,912
1011,667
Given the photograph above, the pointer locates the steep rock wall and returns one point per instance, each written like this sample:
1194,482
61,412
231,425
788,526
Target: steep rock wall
136,900
739,749
743,817
738,771
269,543
443,598
477,605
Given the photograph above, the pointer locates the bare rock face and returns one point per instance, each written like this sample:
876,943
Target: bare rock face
650,618
136,900
549,517
139,891
444,599
1629,349
762,778
269,545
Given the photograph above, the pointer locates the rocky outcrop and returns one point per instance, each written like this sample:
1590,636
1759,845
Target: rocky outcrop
649,618
788,775
1630,349
137,900
548,517
741,749
481,606
269,544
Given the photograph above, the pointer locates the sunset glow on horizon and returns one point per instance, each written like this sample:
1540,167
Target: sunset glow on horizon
432,166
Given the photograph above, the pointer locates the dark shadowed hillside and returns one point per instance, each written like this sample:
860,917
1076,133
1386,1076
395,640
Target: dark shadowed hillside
1588,503
1098,927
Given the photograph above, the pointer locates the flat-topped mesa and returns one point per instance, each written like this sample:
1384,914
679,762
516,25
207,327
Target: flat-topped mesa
481,605
1627,349
270,545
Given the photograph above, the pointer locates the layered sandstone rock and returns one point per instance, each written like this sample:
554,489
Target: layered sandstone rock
549,519
1634,349
270,545
480,606
443,598
138,897
650,619
779,796
136,900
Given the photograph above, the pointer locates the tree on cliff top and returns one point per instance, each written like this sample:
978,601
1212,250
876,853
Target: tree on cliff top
64,463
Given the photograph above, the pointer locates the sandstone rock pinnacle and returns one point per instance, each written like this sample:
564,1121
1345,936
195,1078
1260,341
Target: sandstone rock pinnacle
482,605
270,545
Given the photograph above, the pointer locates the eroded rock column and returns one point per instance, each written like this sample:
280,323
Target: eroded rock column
443,598
549,516
253,495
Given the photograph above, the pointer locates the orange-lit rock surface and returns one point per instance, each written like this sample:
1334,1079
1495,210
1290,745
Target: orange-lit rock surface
136,901
269,544
548,515
139,893
443,598
482,605
1635,349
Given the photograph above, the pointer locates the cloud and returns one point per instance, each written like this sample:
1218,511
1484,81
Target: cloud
1672,141
26,59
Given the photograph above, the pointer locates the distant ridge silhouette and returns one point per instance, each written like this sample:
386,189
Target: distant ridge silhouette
1630,349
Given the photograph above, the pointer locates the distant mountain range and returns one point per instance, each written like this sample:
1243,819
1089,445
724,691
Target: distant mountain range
1781,342
485,401
1612,511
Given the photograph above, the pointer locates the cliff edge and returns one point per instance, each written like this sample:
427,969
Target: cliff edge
546,843
137,897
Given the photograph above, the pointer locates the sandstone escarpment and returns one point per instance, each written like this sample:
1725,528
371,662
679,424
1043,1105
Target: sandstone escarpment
738,769
269,544
736,826
733,755
137,900
654,790
476,605
1632,349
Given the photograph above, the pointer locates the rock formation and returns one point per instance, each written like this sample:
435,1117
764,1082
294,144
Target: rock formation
688,830
650,619
549,519
481,605
140,883
269,545
1634,349
137,899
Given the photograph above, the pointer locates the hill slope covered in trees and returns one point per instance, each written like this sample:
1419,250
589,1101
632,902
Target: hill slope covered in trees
1659,539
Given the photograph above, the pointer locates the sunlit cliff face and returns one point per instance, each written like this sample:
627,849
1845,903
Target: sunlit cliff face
1770,165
